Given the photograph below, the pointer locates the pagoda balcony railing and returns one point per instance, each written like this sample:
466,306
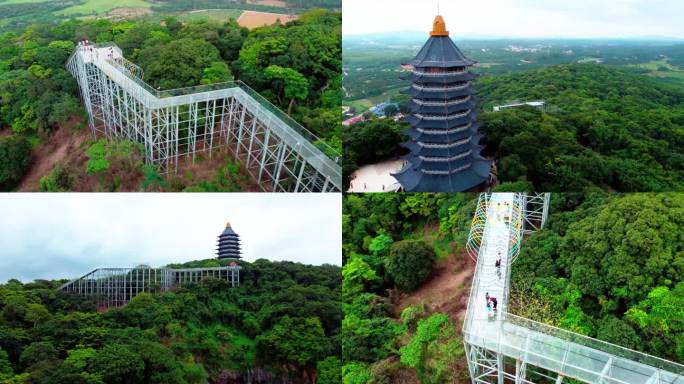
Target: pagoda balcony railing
456,170
444,131
437,74
442,117
449,145
442,103
441,89
446,159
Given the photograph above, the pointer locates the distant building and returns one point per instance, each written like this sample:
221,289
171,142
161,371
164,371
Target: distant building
228,244
353,120
444,138
379,110
537,104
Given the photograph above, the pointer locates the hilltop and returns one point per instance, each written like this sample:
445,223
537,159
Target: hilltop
44,133
282,325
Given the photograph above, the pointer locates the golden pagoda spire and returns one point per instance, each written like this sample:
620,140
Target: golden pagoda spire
439,27
228,224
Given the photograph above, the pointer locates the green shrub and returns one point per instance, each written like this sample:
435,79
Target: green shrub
355,373
329,371
153,181
58,180
410,263
15,159
37,352
412,314
97,154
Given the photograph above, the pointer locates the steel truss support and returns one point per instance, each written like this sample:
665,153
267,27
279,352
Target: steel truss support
115,287
536,211
278,154
483,364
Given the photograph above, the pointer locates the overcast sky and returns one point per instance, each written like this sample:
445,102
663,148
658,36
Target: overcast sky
55,236
520,18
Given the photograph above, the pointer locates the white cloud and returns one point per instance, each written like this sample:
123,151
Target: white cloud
65,235
519,18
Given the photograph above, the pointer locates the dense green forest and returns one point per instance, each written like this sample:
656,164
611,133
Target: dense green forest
295,66
282,325
611,267
604,127
391,244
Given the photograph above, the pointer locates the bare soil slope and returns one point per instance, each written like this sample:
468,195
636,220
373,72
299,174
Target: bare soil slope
447,288
64,142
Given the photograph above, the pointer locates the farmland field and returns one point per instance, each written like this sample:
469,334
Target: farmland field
270,3
211,14
663,69
3,2
252,19
103,6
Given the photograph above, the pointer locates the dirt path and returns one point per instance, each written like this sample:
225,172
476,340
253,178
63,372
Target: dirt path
447,288
55,149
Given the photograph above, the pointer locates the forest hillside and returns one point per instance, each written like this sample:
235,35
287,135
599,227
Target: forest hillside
282,325
604,127
405,284
45,142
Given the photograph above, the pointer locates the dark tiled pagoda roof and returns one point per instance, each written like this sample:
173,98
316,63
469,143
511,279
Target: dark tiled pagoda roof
440,52
444,138
228,244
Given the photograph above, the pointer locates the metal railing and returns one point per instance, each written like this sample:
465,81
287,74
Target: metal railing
599,345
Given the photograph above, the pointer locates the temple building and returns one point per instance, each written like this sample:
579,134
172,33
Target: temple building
444,139
228,244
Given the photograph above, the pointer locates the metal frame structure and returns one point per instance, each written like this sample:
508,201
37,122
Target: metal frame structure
280,154
115,287
505,348
536,211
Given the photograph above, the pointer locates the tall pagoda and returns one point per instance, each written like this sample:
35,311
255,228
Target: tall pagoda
228,244
444,138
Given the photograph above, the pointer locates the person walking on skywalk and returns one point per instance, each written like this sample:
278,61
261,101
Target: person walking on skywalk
497,264
494,303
